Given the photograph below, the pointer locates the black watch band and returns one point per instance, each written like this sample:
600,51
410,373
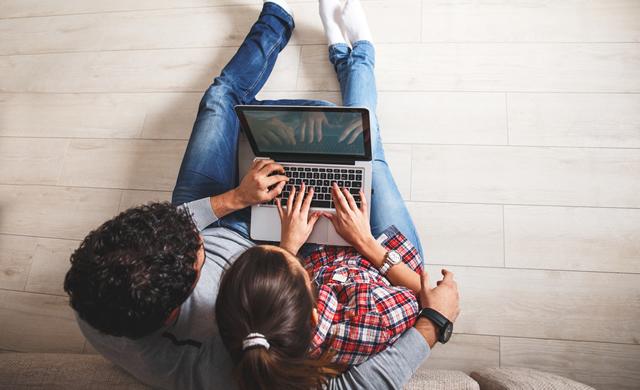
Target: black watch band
445,327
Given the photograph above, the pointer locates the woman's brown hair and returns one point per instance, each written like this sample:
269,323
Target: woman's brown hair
263,293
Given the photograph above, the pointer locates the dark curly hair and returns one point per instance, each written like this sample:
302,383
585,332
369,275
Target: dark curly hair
129,274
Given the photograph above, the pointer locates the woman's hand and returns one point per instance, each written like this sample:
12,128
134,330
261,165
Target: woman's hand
296,222
352,132
311,127
351,222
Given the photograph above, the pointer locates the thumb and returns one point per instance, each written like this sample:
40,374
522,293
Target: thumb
313,219
331,217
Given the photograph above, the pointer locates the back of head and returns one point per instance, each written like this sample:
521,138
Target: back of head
262,293
128,275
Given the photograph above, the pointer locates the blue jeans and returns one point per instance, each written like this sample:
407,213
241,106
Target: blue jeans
210,163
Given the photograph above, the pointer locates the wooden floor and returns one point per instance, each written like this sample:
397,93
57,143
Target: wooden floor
513,129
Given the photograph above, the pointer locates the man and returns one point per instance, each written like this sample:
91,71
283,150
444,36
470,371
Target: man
144,284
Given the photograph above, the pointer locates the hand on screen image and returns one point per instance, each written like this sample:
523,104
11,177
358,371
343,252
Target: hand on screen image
351,133
275,132
311,127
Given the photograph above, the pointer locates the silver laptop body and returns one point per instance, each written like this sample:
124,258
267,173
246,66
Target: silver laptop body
317,163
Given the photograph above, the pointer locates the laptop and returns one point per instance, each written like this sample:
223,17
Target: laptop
340,152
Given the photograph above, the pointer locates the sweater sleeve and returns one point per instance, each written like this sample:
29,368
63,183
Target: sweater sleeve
201,212
390,369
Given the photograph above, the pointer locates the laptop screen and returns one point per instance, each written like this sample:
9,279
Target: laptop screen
307,132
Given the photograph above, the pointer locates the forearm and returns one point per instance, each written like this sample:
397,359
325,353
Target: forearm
399,274
226,203
389,369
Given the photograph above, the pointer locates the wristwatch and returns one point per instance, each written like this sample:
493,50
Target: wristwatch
391,258
445,327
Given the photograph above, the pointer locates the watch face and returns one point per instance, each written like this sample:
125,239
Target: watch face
446,335
394,258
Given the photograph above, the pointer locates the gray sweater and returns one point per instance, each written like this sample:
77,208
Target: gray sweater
189,354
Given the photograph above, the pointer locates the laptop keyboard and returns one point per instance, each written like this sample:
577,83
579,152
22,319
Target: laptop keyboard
321,179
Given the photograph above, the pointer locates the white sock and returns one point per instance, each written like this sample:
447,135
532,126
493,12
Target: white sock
330,13
283,4
355,22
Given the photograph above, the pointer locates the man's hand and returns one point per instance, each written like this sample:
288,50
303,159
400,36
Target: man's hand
445,299
296,222
258,186
350,221
311,127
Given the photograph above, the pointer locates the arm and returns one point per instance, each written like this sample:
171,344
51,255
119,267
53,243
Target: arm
399,275
259,185
352,223
392,368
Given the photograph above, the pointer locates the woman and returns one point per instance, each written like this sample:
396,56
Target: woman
291,322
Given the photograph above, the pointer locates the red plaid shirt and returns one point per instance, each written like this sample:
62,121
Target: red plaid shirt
359,312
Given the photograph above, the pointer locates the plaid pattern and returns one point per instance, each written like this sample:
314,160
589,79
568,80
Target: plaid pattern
359,312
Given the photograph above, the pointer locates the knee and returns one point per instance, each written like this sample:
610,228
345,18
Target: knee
219,96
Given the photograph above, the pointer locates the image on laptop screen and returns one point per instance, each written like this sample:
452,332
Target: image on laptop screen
307,132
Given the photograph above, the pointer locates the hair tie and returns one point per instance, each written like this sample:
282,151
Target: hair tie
255,340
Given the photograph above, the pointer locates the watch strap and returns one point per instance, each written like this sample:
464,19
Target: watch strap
385,267
438,319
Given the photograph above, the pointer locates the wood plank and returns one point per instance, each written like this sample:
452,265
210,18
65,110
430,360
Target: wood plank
527,175
399,160
179,70
530,67
38,323
602,365
50,265
465,353
58,212
587,239
31,161
127,164
449,118
187,27
74,115
531,21
136,198
15,260
460,234
25,8
547,304
611,120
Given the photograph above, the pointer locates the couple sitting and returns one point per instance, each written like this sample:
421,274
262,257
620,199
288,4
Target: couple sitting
179,296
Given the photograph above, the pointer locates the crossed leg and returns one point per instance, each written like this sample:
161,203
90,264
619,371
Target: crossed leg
209,166
210,163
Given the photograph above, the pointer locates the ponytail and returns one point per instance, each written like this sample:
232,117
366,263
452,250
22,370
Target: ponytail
260,368
263,312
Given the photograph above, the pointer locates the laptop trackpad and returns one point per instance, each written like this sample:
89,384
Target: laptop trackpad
320,232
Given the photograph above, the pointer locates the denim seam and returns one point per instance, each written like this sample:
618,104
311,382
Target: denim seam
264,69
